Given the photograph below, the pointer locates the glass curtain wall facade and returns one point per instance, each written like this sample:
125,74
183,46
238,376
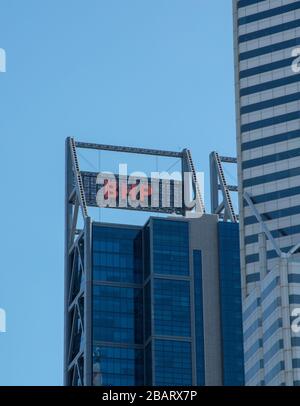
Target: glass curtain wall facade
171,305
148,321
231,304
266,34
142,305
118,337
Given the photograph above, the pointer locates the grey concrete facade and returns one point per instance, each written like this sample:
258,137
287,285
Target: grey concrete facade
204,237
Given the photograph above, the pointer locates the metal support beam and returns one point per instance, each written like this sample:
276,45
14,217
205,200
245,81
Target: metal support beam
262,224
74,222
294,249
130,150
214,187
77,276
228,159
77,178
265,229
88,350
68,222
262,241
231,188
218,183
188,166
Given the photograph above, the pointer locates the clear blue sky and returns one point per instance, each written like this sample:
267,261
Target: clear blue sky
152,73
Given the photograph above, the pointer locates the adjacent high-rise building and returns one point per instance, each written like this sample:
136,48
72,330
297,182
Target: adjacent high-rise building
158,304
267,81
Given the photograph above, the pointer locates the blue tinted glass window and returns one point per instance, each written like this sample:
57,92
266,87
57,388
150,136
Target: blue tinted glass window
172,308
294,299
170,247
270,254
295,341
272,329
266,68
271,308
146,237
245,3
171,369
117,254
253,277
279,194
269,13
272,285
273,350
274,372
113,366
117,314
273,120
252,308
272,215
253,349
197,257
294,278
269,31
268,49
254,369
148,312
231,304
280,156
148,364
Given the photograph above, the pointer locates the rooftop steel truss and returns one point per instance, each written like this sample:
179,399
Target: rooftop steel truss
218,183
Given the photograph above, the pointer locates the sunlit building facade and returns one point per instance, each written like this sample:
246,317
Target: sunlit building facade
266,38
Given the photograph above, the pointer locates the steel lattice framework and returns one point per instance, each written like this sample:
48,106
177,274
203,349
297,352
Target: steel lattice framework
78,254
223,208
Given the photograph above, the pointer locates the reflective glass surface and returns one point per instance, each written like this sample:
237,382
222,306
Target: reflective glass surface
117,254
231,306
172,308
170,247
117,366
118,314
199,328
118,352
173,363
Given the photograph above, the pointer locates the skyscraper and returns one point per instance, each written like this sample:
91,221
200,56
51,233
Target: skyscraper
158,304
153,291
266,35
